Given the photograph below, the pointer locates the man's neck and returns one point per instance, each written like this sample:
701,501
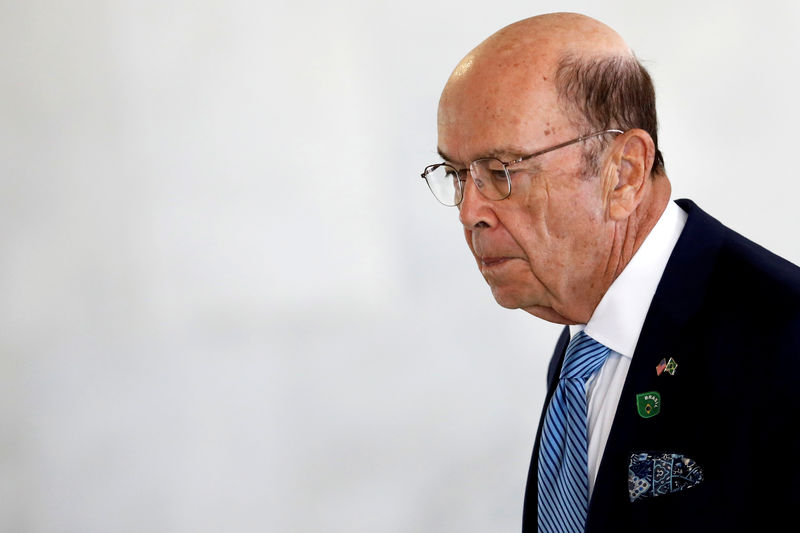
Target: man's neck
639,224
628,238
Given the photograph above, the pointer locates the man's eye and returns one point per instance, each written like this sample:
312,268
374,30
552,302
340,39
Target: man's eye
521,172
456,176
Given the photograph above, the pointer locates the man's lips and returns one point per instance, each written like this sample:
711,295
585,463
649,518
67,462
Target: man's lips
489,261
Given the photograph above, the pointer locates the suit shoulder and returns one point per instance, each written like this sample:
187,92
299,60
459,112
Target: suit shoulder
757,275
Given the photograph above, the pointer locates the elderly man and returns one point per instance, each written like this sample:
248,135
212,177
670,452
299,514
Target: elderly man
671,403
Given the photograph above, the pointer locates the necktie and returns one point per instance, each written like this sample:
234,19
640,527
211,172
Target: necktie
563,471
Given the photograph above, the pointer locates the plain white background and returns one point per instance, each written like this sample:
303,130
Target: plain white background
229,303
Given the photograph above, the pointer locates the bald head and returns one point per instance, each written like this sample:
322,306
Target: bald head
529,51
564,70
539,42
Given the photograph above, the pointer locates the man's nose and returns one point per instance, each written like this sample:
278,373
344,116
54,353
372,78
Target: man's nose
475,210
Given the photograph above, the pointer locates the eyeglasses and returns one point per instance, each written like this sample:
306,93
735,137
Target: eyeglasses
490,175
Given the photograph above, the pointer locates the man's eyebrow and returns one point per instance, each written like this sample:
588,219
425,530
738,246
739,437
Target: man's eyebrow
507,153
444,156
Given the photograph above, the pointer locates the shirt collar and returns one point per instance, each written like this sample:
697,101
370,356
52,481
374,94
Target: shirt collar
618,319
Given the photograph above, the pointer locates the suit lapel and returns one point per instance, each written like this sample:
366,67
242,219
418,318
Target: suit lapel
668,331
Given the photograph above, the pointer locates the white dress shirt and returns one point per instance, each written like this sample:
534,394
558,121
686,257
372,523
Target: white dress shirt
617,322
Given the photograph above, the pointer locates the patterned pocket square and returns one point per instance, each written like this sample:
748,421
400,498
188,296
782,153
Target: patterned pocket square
655,475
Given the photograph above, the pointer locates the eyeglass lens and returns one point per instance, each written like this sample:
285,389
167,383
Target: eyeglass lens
489,175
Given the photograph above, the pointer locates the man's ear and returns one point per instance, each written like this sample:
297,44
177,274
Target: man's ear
628,171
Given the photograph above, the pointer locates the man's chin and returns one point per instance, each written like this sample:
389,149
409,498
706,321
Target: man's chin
506,298
549,314
511,300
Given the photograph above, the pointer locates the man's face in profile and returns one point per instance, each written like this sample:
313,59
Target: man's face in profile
539,245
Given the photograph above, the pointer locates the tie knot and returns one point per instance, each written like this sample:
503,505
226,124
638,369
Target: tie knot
584,357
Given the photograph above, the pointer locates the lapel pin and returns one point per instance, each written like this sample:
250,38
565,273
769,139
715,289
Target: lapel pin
661,366
648,404
672,366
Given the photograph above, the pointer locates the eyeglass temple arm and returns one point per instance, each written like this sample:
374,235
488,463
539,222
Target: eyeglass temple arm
562,145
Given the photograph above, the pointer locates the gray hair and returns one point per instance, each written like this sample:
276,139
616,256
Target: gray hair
602,93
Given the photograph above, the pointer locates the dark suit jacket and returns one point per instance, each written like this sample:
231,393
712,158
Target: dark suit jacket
728,312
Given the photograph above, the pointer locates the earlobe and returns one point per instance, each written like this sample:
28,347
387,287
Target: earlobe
631,162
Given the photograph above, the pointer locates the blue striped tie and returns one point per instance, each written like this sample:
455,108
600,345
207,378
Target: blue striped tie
563,471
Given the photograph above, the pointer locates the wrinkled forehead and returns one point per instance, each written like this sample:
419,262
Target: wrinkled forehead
511,101
498,89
